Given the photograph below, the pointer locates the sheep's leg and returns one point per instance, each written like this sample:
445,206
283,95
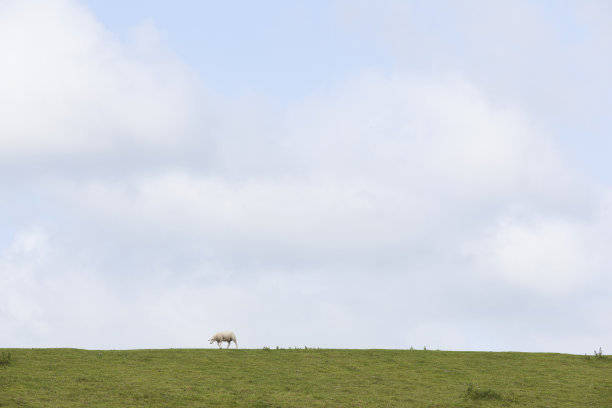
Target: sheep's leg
219,344
228,343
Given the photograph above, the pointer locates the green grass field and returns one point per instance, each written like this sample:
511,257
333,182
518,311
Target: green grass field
301,378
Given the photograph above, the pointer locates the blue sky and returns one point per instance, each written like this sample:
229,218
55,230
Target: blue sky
437,171
282,49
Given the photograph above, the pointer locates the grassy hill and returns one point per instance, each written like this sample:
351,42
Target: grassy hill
301,378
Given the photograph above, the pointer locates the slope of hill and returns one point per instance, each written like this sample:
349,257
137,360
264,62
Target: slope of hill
301,378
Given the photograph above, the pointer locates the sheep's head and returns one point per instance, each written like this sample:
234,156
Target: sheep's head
211,340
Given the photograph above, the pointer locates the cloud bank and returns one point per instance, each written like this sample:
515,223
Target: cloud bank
143,210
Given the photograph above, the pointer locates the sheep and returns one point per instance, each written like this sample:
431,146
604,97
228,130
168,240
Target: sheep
224,336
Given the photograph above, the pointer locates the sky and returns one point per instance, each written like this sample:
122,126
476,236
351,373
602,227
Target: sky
346,174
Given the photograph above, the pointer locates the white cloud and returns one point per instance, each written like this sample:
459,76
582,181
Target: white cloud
70,87
548,58
390,161
549,255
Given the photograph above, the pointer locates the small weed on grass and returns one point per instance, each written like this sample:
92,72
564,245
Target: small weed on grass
5,359
597,355
474,393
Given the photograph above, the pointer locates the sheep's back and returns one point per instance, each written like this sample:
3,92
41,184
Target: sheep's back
224,336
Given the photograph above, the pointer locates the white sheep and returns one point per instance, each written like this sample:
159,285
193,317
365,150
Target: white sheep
224,336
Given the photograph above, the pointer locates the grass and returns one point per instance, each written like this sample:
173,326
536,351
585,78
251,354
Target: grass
301,378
